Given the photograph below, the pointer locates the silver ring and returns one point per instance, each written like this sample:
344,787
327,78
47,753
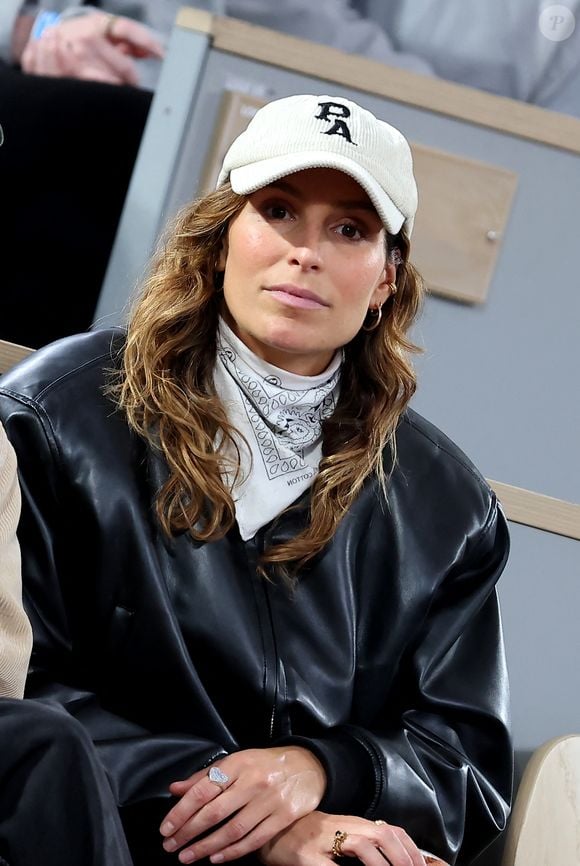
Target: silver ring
218,776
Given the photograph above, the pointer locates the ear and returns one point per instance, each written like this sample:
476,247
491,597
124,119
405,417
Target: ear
223,254
382,290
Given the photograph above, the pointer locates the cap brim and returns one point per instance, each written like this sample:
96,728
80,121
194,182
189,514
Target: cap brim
249,178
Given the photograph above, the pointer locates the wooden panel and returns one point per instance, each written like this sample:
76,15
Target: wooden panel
463,209
433,94
236,111
11,354
195,19
461,202
544,828
539,511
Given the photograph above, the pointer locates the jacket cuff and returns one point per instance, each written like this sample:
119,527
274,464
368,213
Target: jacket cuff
350,774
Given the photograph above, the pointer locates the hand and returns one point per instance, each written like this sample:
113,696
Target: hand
86,47
309,842
268,790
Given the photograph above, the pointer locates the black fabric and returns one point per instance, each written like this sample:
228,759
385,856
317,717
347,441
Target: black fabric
56,805
387,659
65,165
141,824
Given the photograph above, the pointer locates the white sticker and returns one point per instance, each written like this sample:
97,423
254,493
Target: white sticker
557,23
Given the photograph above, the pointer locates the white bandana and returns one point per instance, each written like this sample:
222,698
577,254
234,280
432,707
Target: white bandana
280,415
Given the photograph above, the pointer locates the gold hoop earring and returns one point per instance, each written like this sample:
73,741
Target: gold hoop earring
377,313
393,288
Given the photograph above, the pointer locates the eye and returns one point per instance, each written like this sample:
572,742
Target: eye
350,231
276,211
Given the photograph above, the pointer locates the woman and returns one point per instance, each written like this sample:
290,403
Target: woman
263,584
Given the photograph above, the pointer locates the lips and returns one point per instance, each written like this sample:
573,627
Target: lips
296,296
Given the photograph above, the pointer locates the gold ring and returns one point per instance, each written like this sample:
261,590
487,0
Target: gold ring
108,32
340,838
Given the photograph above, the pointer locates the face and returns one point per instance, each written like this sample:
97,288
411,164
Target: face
303,262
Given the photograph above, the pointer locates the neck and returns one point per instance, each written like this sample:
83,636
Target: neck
306,364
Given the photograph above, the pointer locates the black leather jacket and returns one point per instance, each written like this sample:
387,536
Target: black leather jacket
387,662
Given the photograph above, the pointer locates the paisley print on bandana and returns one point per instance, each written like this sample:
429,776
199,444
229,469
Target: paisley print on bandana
280,415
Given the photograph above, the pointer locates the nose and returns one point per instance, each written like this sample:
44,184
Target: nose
305,250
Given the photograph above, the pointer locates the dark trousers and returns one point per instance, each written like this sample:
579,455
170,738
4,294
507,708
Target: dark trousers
65,165
56,805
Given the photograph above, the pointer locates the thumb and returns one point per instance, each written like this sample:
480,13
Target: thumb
137,39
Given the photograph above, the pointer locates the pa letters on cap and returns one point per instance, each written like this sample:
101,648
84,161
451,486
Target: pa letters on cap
334,113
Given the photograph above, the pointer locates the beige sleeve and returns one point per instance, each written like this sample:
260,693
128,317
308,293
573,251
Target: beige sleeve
15,631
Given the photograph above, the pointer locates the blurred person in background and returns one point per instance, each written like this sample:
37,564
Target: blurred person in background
69,146
507,48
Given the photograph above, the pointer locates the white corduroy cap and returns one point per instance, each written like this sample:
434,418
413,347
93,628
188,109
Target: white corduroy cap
301,132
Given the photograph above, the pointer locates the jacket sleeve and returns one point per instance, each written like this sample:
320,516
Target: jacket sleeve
139,763
15,631
441,765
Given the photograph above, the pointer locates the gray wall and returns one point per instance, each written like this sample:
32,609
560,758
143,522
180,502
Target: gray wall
500,379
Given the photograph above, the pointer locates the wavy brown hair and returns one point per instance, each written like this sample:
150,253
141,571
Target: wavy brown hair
165,388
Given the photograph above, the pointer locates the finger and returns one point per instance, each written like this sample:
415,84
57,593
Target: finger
250,829
182,786
239,827
138,53
191,780
367,851
140,40
210,815
395,852
198,796
125,48
116,63
179,788
416,857
94,73
262,833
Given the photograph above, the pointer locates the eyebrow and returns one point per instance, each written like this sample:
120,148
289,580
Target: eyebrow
354,204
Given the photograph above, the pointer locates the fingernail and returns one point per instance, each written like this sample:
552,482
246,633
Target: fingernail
187,857
217,858
170,845
167,828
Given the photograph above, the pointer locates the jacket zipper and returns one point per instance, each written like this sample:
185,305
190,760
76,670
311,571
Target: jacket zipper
271,660
276,658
